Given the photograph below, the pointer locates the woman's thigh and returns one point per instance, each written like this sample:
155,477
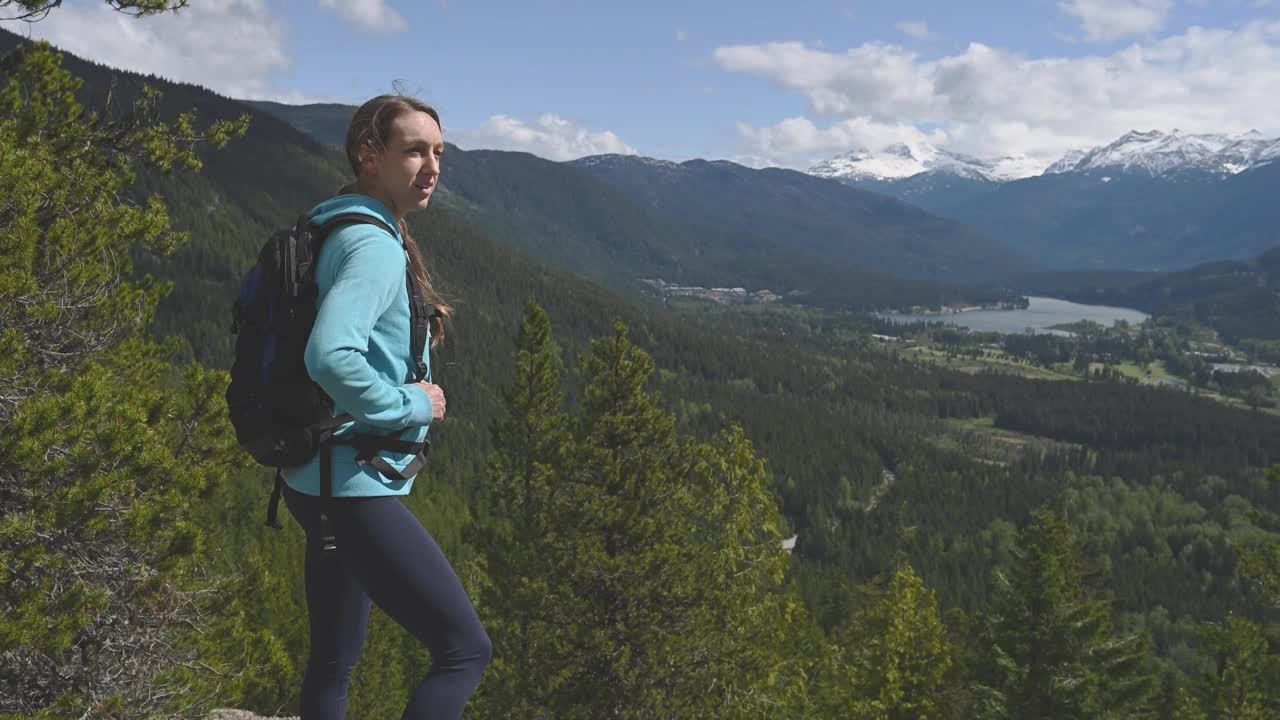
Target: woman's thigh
401,567
337,605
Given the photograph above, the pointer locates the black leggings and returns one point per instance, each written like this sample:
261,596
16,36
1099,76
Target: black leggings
386,556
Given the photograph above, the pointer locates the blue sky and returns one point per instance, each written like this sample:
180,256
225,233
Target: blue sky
758,82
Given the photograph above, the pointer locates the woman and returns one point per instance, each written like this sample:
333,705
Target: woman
359,353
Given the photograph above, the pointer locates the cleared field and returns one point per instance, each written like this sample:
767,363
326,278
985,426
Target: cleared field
981,440
995,360
1154,374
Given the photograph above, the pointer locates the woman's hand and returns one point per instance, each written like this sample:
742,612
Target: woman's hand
437,399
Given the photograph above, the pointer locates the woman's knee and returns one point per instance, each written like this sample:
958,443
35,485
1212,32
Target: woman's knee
486,647
480,647
329,675
474,649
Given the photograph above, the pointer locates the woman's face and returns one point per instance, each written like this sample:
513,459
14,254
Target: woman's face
405,174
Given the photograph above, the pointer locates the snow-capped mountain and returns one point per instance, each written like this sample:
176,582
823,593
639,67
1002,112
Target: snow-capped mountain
1067,163
1152,153
615,158
1158,153
903,160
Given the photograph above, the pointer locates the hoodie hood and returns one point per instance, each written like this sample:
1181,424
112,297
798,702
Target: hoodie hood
349,204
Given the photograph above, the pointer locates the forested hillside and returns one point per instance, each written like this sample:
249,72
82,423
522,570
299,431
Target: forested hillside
1240,299
968,545
1103,219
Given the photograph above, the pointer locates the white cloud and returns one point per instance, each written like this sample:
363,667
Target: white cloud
551,137
992,101
755,162
374,16
917,29
799,143
1106,20
229,46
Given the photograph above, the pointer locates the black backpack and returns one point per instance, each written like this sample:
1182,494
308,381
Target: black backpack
282,418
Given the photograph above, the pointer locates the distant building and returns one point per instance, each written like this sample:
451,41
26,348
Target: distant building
1266,371
724,296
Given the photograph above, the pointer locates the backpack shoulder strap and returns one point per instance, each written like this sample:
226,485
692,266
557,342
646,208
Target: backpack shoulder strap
321,231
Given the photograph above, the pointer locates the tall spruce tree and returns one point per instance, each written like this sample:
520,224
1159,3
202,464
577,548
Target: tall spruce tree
677,556
892,659
106,443
1052,652
523,608
648,568
1244,683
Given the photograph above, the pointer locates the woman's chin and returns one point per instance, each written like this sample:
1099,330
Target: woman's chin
417,203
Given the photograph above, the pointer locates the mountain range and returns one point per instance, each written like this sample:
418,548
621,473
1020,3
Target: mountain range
1149,200
901,160
1157,153
1153,153
618,219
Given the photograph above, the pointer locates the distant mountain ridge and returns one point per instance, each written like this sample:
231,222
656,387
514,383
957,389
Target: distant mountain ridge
797,214
711,223
1104,219
1151,153
324,122
1158,153
1147,201
902,160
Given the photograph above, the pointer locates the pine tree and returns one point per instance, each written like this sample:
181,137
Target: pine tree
905,666
648,581
678,555
1245,681
35,10
1052,650
520,602
892,658
106,443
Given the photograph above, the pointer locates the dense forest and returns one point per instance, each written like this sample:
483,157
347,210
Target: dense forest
615,484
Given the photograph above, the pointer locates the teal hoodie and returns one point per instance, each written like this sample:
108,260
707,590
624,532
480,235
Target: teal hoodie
359,350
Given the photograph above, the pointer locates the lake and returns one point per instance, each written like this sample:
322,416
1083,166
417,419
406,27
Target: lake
1041,314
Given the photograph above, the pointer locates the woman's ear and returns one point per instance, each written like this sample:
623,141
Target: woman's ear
368,162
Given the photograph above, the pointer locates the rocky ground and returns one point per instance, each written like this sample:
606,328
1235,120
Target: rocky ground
225,714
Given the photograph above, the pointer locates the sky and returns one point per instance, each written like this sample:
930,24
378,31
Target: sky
761,83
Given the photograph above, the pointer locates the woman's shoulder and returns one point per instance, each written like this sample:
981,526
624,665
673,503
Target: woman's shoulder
353,214
360,230
362,246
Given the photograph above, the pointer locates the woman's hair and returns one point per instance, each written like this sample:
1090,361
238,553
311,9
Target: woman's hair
371,127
